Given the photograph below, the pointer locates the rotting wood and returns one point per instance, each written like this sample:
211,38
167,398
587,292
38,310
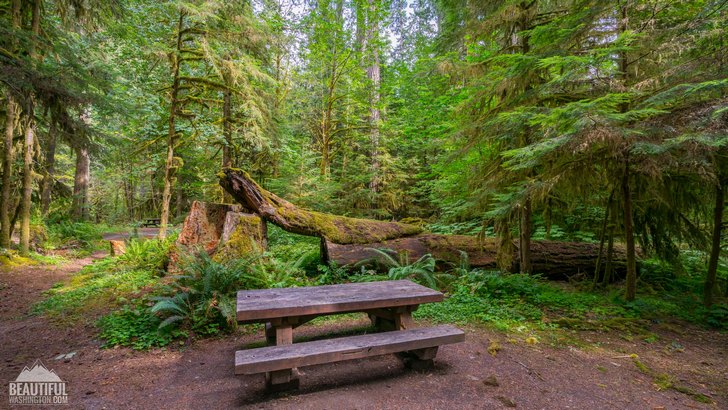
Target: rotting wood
221,230
117,248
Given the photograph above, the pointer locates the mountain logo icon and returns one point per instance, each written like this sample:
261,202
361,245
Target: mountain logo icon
38,373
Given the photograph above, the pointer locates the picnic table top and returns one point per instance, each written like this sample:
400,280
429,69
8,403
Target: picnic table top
263,304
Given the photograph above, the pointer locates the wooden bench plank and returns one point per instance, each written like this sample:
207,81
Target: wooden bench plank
264,304
272,358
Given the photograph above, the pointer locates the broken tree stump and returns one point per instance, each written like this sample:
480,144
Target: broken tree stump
223,231
117,248
242,234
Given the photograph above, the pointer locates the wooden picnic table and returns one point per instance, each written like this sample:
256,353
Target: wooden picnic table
389,305
151,222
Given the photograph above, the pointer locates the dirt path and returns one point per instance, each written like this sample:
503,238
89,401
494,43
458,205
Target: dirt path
599,374
141,232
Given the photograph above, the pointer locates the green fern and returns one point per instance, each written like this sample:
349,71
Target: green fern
399,267
203,297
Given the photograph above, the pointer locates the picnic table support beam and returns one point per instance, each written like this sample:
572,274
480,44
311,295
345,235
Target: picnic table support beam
420,359
393,319
281,333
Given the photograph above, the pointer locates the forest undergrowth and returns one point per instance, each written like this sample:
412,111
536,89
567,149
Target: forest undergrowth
134,302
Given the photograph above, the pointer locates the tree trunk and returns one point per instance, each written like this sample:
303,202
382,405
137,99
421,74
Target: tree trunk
6,227
325,158
27,191
711,275
374,76
602,237
227,131
80,184
631,286
16,215
178,203
7,174
556,260
525,238
170,166
609,265
48,176
336,229
27,185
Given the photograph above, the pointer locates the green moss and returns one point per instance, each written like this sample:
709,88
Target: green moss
344,230
246,239
642,367
664,381
11,258
337,229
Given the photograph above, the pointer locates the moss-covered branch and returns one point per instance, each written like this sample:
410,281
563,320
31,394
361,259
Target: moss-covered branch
333,228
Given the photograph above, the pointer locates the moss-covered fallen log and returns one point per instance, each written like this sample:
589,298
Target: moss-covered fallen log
551,258
346,241
334,228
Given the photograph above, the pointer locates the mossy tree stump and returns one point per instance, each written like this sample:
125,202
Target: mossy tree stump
224,231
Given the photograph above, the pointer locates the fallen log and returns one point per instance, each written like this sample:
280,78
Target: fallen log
336,229
553,259
346,241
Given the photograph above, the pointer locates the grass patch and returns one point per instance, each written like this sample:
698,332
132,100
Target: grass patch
511,302
96,287
106,283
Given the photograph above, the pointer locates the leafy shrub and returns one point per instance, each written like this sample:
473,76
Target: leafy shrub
717,317
73,234
331,274
474,227
287,247
136,328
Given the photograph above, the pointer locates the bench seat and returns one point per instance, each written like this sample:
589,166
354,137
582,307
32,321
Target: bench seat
273,358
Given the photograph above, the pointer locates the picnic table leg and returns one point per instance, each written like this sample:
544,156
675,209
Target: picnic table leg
270,334
404,319
393,319
419,359
281,333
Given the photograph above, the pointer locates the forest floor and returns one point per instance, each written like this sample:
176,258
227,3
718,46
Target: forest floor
567,369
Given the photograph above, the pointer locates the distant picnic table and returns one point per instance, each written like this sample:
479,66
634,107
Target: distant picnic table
389,305
149,222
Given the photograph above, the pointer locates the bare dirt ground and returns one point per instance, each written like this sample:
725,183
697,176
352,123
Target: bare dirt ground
590,370
141,232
